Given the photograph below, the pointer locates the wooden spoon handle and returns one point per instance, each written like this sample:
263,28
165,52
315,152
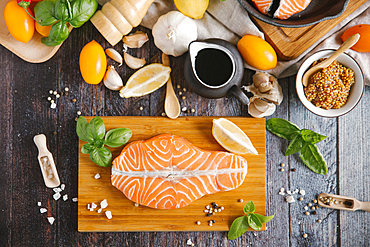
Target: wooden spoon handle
351,41
365,206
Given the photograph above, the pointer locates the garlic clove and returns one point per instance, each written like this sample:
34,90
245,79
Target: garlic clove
133,62
254,109
260,105
112,53
265,87
260,77
112,80
135,40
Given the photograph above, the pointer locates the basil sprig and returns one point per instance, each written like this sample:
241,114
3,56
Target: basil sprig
302,141
94,133
58,13
251,219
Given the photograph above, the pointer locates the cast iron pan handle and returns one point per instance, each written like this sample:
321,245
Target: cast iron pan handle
238,93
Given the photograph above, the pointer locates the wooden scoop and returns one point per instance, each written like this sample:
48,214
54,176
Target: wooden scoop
344,203
351,41
171,103
46,161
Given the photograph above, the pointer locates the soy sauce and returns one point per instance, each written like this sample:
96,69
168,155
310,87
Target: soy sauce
214,67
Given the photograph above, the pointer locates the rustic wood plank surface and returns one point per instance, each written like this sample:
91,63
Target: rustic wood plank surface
26,112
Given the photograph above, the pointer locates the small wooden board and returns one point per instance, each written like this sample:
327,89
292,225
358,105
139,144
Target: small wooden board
289,43
127,217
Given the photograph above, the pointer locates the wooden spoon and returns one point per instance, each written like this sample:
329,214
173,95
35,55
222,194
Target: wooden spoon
348,203
171,103
351,41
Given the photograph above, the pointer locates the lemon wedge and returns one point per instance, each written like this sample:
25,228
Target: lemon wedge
146,80
231,137
192,8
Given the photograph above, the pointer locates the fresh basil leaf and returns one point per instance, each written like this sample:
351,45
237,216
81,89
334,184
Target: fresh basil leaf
311,156
311,136
62,10
96,129
117,137
82,11
249,207
58,33
87,148
81,130
295,145
99,143
254,222
238,227
44,12
282,128
101,156
264,219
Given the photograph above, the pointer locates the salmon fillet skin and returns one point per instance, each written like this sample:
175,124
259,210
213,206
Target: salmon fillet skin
169,172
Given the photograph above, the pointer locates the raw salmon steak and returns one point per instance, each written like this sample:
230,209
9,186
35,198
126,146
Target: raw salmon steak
168,172
287,8
263,5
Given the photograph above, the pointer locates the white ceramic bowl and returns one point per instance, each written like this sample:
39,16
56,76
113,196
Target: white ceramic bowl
355,94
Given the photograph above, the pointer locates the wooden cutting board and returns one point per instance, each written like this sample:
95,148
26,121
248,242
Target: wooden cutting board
289,43
127,217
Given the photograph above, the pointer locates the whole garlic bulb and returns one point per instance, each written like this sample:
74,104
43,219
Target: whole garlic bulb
173,33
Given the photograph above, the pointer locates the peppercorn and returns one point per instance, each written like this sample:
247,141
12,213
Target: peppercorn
294,170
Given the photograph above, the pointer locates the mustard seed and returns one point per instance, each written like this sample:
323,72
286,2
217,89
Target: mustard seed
305,235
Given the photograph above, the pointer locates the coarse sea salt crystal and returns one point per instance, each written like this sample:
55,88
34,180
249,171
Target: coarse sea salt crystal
53,106
302,192
93,205
97,176
189,242
51,220
39,204
289,199
62,186
99,210
43,210
65,197
104,203
108,214
75,199
56,190
305,208
289,192
56,196
281,193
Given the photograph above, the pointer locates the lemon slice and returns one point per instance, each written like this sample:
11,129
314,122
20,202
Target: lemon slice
192,8
146,80
231,137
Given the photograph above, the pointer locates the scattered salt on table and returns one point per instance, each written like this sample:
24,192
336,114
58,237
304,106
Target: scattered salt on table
43,210
302,192
62,186
97,176
51,220
65,197
99,210
39,204
75,199
104,203
108,214
289,199
56,196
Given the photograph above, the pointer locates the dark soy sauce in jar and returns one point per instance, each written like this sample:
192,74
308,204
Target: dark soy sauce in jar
214,67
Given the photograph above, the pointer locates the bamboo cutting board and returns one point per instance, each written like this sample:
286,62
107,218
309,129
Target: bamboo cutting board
127,217
289,43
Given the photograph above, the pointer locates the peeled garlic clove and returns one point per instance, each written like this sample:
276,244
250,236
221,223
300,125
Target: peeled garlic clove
133,62
136,40
112,80
260,77
112,53
260,105
268,109
265,86
274,95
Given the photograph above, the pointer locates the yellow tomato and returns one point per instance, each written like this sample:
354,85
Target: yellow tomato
20,25
93,62
257,52
43,30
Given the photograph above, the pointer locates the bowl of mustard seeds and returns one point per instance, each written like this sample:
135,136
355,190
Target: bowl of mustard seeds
332,91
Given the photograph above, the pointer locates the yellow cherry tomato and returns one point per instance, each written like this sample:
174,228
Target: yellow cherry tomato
362,44
257,52
20,25
43,30
93,62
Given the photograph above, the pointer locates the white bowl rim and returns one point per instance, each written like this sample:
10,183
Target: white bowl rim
340,114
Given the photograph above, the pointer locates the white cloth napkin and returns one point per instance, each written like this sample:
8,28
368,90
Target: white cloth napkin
228,20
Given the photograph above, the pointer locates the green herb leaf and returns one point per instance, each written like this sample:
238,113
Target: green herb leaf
313,159
82,11
264,219
96,129
295,145
311,136
87,148
62,10
99,143
101,156
282,128
254,222
117,137
249,207
82,130
44,12
58,33
238,227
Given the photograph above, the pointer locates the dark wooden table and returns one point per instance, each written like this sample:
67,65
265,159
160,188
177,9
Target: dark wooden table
26,112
